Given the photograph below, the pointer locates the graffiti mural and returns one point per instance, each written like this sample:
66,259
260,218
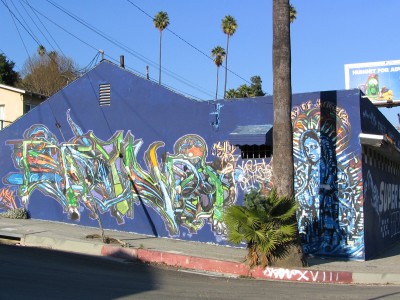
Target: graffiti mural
255,175
105,177
307,275
7,199
328,181
385,203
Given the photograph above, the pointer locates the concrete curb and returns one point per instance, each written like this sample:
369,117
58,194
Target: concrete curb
375,278
226,267
60,244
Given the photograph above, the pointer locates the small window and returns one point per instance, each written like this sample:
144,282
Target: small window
105,94
255,151
28,107
2,124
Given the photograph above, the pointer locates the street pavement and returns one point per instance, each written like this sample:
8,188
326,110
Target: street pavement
201,257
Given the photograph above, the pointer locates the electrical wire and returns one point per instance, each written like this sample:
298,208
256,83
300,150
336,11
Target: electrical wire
131,51
171,74
16,27
185,41
172,89
91,64
110,39
51,37
26,26
38,42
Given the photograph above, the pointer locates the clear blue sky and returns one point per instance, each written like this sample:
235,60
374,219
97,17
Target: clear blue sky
326,36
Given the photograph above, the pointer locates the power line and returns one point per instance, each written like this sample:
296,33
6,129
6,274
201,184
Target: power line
35,38
131,51
107,37
16,27
91,64
51,37
23,20
173,89
185,41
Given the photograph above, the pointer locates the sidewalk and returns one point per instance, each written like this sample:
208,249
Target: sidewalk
197,256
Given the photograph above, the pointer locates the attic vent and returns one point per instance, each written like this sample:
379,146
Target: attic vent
104,94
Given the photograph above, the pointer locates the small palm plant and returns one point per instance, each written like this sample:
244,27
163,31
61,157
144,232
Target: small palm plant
266,223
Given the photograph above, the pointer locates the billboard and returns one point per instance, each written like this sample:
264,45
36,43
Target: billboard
378,80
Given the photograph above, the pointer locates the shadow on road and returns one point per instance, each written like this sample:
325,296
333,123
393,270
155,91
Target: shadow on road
34,273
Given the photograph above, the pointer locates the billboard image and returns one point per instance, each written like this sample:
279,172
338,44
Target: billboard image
377,80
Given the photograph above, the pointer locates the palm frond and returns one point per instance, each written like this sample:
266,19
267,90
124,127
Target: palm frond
266,223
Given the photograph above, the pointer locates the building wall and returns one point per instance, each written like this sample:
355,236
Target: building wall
328,175
381,177
154,162
151,162
12,101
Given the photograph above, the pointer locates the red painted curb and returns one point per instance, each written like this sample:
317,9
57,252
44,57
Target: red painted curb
227,267
192,262
119,252
302,275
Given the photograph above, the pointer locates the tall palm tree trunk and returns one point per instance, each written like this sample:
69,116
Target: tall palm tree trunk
282,90
226,65
216,91
283,133
159,73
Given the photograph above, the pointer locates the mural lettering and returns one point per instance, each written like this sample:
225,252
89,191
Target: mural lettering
384,226
7,199
388,197
395,223
385,202
306,275
105,176
253,175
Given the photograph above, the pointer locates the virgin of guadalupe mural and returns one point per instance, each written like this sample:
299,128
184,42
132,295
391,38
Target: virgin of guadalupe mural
327,181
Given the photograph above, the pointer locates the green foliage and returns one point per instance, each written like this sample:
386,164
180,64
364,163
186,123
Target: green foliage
267,224
48,72
229,25
218,53
245,91
161,20
17,213
7,74
293,13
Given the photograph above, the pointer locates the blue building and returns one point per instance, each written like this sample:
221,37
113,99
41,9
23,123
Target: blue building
150,161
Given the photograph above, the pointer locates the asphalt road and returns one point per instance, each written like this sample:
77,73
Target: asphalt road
32,273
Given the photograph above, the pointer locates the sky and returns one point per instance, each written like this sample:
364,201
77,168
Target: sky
325,36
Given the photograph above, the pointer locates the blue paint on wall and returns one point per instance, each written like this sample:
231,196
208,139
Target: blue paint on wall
381,176
157,163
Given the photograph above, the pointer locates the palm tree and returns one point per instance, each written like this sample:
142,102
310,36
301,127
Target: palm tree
282,163
41,50
293,13
231,93
161,21
218,53
266,224
282,90
245,91
229,27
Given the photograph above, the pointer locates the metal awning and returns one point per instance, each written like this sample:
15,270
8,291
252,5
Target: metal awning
251,135
382,143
